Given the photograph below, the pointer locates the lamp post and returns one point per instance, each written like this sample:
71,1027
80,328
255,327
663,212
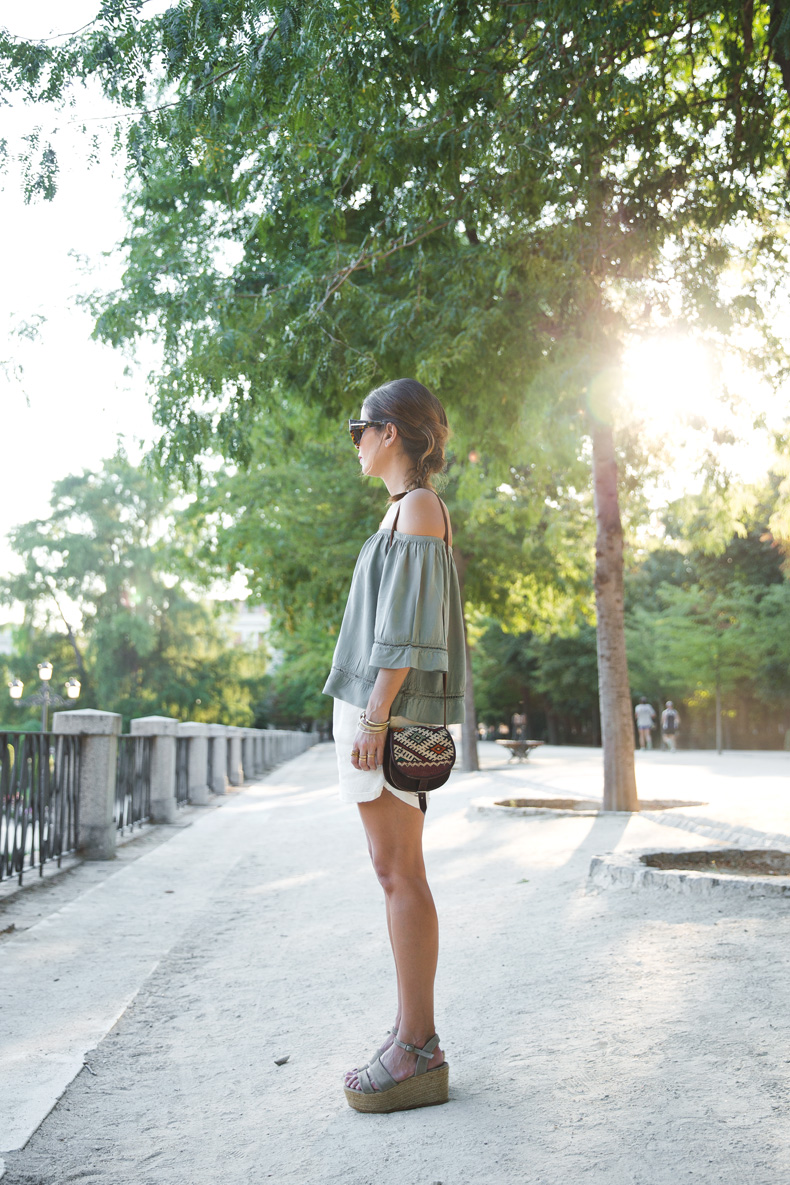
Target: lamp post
45,697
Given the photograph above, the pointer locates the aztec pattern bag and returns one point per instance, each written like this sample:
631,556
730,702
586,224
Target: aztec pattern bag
418,757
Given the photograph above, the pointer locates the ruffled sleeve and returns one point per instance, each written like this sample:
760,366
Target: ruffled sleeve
411,610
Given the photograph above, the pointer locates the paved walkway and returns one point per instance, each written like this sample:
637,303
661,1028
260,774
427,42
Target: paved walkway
601,1036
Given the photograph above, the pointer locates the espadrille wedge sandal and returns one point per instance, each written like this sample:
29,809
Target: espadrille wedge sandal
424,1088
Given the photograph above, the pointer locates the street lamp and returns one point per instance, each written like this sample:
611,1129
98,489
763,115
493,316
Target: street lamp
45,697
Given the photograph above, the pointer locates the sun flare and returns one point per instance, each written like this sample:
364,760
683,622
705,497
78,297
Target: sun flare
672,381
695,404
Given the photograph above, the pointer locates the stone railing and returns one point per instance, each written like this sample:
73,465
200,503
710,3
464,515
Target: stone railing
218,756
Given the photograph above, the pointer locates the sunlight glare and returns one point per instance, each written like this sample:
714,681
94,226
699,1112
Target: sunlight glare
690,404
670,381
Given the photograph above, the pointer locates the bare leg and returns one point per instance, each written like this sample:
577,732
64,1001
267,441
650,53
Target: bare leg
351,1075
394,832
389,931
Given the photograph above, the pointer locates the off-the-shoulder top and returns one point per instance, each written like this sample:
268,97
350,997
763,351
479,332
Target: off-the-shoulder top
403,610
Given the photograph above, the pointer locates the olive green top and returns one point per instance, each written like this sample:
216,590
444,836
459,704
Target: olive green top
403,610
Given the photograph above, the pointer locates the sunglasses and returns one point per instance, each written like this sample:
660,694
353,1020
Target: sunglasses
357,427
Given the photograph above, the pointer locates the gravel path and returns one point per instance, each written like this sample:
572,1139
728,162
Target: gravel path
594,1036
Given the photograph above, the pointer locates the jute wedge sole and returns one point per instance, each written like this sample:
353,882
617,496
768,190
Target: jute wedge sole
424,1090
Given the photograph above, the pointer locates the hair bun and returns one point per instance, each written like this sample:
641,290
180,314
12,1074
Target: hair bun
421,422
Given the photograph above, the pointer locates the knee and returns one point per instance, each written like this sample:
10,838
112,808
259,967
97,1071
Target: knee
393,878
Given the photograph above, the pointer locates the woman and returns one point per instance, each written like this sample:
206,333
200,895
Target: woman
401,630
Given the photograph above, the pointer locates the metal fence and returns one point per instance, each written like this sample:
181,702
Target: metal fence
210,764
132,781
182,771
39,778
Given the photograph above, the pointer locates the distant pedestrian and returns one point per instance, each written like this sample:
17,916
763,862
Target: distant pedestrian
645,715
670,726
518,725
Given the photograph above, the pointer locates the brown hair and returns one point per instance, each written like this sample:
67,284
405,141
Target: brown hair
421,422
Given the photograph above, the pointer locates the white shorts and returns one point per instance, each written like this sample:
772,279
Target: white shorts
361,785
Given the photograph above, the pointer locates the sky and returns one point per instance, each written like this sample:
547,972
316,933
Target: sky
74,397
67,400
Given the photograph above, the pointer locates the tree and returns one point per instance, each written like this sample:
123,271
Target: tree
704,638
704,615
101,575
553,677
491,197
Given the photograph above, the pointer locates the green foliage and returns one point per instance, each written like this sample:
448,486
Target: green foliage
101,590
698,641
293,521
292,694
554,678
480,195
30,647
492,198
703,619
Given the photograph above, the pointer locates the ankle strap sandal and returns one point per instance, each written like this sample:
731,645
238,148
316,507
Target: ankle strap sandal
380,1092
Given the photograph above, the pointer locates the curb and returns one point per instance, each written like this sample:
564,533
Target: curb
591,807
586,809
738,837
628,872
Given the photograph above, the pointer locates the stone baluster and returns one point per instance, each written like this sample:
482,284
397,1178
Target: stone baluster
99,732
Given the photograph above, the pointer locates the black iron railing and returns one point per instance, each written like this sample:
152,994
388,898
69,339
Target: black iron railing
39,777
210,765
132,781
182,771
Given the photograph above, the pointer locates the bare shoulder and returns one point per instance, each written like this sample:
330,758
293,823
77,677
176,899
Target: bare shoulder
421,514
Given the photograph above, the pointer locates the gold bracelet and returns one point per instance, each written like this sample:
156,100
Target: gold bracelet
372,725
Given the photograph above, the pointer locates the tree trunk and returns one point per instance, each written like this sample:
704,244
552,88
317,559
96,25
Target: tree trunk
469,759
719,744
617,734
70,634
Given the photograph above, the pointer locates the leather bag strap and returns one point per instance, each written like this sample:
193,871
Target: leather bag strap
394,525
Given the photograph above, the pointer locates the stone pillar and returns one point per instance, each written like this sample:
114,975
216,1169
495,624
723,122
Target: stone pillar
235,768
246,754
251,764
257,750
218,739
197,760
162,730
98,763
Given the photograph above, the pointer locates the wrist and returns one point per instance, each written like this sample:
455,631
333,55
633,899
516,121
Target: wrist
378,709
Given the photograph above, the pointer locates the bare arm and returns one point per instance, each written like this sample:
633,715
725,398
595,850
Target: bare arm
386,687
371,745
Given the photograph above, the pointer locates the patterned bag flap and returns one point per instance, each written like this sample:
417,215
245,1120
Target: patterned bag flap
422,752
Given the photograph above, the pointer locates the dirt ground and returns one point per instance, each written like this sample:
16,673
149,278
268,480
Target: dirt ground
603,1037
